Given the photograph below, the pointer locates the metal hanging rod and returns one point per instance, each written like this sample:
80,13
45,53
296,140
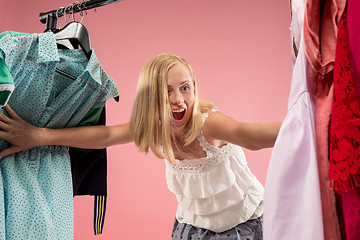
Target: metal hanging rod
50,18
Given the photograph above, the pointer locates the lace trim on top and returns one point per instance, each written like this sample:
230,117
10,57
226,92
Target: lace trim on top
214,155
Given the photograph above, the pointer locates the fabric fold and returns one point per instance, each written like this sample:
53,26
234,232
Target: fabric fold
292,196
234,214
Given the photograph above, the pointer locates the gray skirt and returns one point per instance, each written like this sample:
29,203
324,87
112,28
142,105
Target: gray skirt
250,230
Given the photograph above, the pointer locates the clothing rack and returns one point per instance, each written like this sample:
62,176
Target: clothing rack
50,18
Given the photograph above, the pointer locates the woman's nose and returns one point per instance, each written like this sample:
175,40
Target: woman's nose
177,99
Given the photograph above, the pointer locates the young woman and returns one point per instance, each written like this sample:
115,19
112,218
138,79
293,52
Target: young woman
206,168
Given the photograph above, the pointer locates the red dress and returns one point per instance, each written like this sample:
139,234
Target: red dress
344,164
344,167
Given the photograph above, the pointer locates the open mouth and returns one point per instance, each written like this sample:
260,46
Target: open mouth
178,114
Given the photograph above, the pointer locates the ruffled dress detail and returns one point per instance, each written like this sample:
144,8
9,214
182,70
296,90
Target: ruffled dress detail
216,192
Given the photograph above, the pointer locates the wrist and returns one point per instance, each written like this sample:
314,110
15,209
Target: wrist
42,137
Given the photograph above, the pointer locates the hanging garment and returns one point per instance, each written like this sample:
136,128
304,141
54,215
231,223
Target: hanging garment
292,204
6,84
89,171
344,167
296,26
353,23
88,167
6,80
36,184
320,31
292,198
351,212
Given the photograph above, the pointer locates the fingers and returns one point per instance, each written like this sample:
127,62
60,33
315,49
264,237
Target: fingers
4,135
7,125
11,112
8,151
4,131
4,119
4,122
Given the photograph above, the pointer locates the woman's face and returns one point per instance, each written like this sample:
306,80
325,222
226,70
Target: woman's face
181,95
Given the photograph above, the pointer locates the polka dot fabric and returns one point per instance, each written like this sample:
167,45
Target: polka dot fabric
249,230
36,195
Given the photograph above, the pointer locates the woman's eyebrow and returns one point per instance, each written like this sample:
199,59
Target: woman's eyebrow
184,82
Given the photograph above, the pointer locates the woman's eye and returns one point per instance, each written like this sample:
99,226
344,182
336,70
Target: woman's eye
185,88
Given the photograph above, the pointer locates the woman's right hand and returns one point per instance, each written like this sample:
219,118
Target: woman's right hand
19,133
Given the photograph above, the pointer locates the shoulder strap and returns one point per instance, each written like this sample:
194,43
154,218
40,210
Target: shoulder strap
207,147
206,115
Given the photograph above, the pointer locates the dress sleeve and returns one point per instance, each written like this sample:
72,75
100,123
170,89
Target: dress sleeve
108,90
6,79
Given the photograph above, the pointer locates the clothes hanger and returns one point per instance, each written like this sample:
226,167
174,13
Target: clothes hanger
64,43
77,35
74,34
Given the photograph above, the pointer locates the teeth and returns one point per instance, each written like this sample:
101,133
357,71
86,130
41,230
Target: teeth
179,110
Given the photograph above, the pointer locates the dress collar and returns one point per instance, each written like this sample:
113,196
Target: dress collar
47,49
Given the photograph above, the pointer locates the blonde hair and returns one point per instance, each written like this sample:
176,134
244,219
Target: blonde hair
151,116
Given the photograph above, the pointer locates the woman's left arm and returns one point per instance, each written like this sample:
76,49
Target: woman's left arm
253,136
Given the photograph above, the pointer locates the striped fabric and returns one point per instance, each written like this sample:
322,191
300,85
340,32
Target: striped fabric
99,213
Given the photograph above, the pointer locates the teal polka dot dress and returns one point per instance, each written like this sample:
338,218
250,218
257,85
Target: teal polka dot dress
36,195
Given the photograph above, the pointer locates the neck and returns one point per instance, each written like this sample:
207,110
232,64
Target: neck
178,133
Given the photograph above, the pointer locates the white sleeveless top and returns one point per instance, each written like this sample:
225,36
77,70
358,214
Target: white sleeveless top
216,192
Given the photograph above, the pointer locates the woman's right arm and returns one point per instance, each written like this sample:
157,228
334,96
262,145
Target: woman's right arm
22,135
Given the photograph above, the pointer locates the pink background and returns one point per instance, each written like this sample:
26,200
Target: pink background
240,51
